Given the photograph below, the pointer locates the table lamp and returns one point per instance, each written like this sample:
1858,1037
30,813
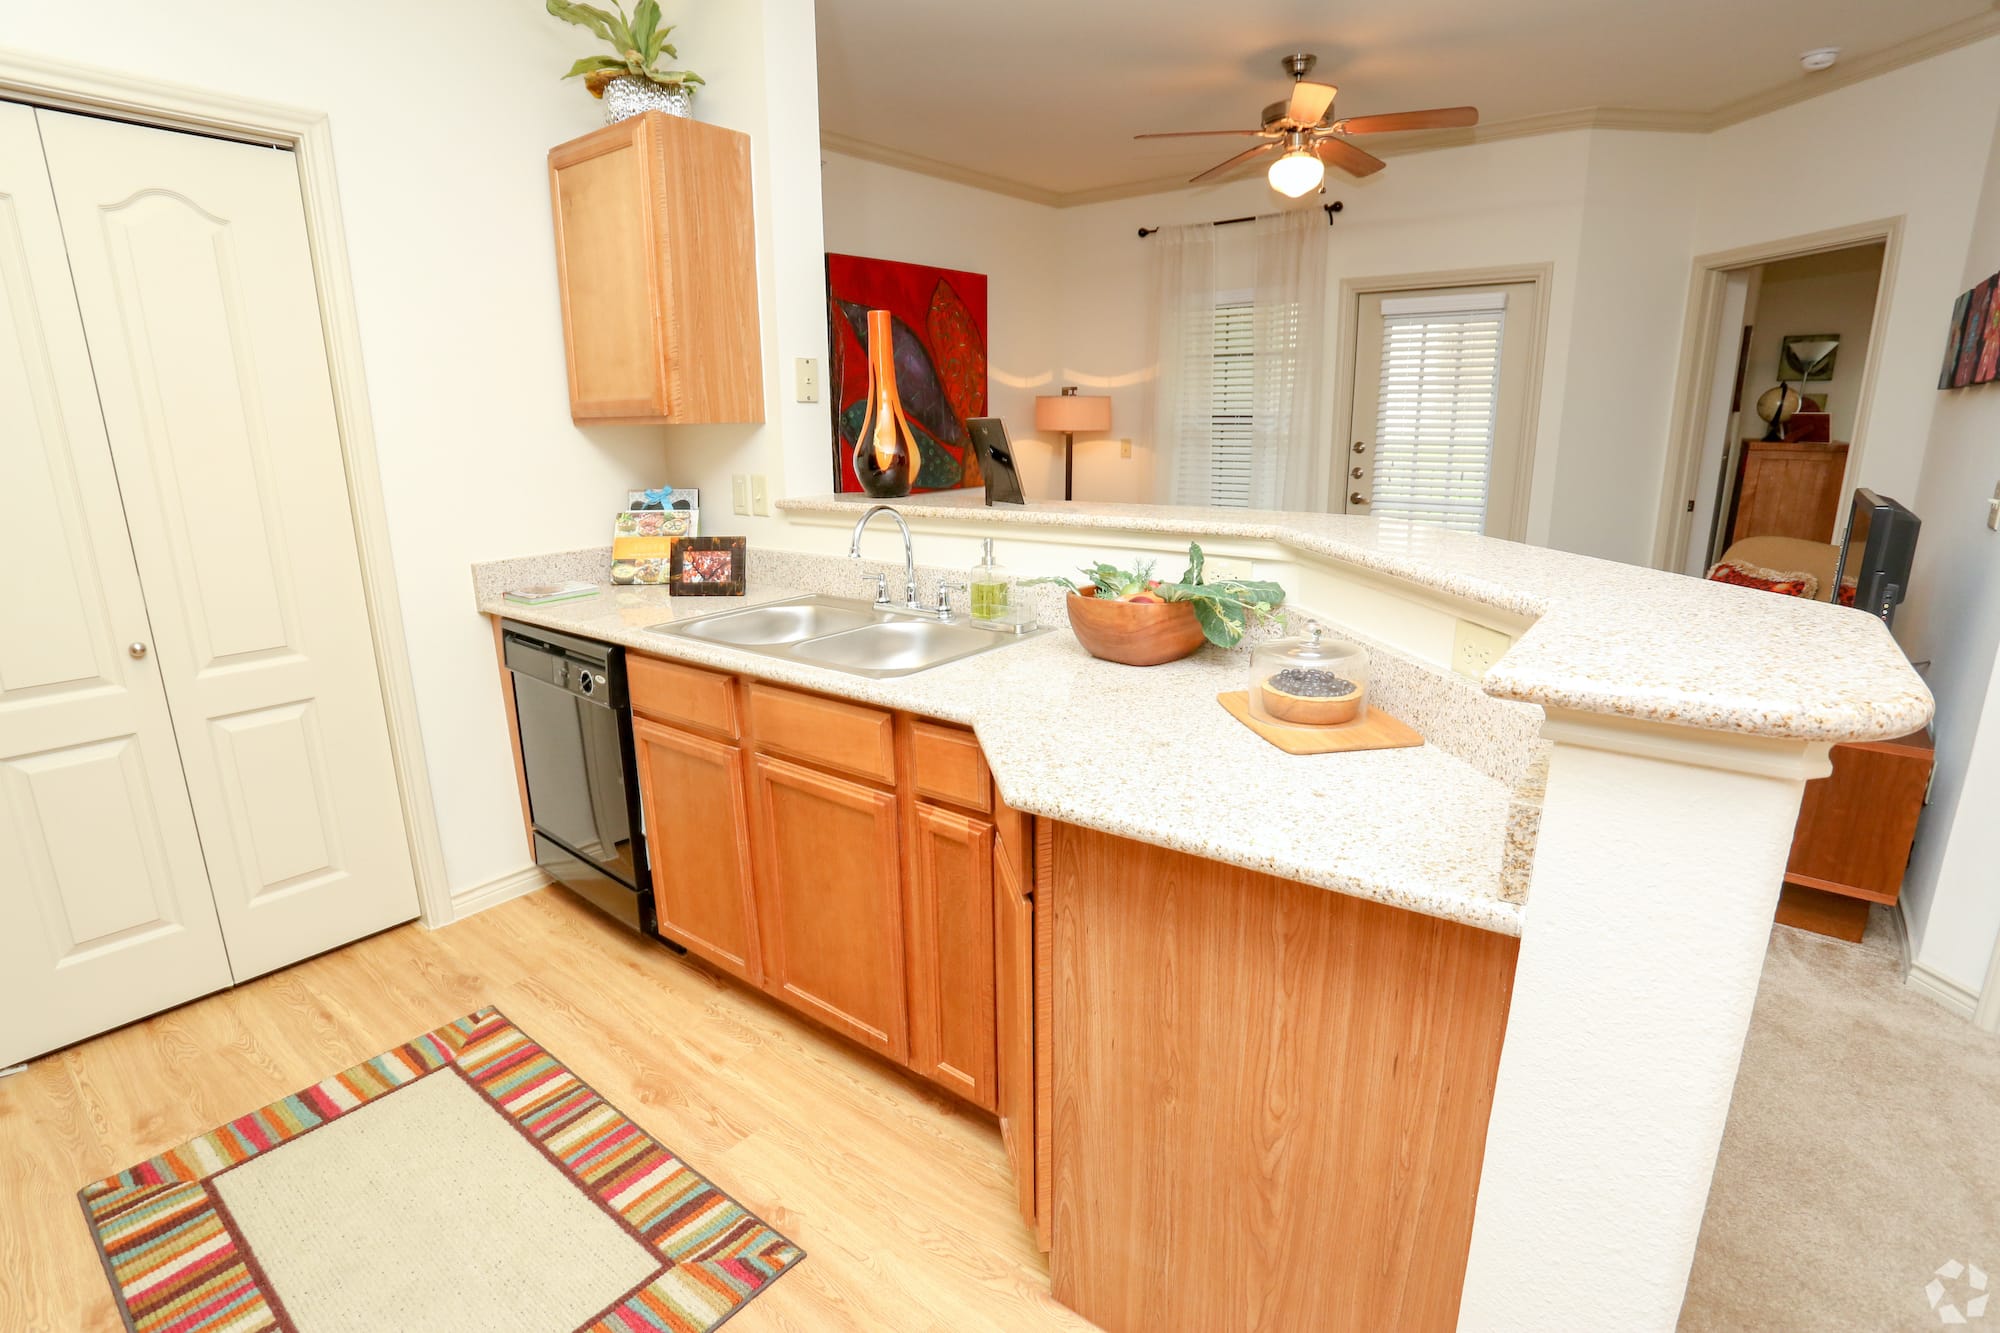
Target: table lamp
1067,414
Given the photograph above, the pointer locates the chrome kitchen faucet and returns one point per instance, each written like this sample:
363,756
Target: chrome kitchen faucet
909,558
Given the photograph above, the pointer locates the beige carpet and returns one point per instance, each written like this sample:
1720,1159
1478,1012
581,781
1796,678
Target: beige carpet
1862,1154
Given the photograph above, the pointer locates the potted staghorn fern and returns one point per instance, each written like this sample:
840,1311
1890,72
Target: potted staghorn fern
630,81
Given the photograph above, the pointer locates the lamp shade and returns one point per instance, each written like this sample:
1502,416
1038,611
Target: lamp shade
1073,412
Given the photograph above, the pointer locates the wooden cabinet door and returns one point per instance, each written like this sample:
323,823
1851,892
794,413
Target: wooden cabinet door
829,889
951,952
698,814
1014,1026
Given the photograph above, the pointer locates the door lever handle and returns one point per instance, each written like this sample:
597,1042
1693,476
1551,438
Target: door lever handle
1356,498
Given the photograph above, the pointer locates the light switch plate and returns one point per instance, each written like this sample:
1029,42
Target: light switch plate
760,494
739,493
1993,509
806,370
1475,648
1124,448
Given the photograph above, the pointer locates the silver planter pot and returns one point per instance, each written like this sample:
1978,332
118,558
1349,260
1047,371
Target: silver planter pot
629,96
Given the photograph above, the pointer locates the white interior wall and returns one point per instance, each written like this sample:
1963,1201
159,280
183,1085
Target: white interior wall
1951,897
885,213
1823,293
1518,202
1912,144
444,190
1630,289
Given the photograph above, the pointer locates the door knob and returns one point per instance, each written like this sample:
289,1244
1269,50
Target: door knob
1360,446
137,650
1355,472
1356,498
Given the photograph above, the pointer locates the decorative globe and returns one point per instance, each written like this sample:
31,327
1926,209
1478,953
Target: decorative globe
1770,404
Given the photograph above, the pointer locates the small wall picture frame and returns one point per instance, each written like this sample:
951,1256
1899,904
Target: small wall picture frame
708,567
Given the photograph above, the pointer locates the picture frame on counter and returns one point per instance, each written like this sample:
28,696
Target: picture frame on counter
708,567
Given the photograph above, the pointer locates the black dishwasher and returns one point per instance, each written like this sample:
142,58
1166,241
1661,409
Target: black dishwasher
576,757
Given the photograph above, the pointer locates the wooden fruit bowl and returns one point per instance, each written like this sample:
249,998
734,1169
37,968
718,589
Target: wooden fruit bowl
1302,710
1135,633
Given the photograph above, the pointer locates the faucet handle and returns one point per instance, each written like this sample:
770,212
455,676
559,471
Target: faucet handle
945,591
881,590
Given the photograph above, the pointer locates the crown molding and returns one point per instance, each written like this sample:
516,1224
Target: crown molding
1804,88
849,146
1848,72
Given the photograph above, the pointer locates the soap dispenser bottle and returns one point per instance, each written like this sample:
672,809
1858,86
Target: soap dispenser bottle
991,591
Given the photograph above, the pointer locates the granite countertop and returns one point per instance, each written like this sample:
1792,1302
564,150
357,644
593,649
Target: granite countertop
1148,754
1607,638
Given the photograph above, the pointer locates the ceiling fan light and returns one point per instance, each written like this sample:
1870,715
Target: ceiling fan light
1297,173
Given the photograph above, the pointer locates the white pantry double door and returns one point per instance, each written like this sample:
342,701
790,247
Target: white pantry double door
196,783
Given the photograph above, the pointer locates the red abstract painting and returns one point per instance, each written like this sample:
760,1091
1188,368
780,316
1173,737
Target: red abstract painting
940,355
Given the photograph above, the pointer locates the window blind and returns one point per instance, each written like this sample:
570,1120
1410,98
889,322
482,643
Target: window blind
1436,410
1232,382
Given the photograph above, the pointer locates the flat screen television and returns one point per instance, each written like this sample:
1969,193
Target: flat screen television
1875,559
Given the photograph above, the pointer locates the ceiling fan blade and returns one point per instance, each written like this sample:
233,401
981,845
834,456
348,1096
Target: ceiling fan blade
1438,118
1202,134
1310,102
1245,156
1352,160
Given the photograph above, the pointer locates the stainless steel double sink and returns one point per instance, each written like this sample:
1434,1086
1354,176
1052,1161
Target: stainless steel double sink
842,634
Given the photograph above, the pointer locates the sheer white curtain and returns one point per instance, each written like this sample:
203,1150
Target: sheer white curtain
1183,316
1233,428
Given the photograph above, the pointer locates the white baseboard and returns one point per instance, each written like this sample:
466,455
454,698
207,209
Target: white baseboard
1961,1000
1929,983
479,897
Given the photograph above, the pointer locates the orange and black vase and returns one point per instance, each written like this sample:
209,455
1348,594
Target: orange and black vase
885,452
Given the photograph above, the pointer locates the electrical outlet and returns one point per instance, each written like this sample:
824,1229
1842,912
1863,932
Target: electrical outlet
1475,648
739,493
760,494
1225,567
1124,448
806,369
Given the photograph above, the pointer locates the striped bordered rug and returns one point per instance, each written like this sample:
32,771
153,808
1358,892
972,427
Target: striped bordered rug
466,1180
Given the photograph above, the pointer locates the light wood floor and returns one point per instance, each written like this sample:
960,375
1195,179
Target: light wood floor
901,1199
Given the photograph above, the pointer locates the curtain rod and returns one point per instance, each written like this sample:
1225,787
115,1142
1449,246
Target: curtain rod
1331,209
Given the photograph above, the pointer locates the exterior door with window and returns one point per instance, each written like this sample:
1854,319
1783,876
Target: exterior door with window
1440,408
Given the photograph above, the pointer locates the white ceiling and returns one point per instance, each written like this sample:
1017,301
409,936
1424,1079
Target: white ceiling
1047,94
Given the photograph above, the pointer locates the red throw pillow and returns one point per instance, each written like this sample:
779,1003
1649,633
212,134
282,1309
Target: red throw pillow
1796,583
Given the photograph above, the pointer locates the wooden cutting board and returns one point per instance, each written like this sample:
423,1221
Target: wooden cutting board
1377,731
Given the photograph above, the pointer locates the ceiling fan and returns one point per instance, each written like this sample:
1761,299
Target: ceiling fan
1301,142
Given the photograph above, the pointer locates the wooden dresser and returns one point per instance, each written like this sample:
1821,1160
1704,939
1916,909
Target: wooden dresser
1787,489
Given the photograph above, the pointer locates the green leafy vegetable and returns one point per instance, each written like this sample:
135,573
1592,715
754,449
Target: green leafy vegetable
639,42
1224,608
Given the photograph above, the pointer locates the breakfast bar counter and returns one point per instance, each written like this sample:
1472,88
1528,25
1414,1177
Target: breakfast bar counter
1435,1035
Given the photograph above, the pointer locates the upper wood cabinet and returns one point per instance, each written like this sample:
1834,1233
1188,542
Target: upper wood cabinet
657,261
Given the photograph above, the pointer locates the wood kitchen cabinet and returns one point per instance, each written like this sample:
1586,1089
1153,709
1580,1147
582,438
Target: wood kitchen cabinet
656,260
951,952
701,875
829,893
857,865
1014,1023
